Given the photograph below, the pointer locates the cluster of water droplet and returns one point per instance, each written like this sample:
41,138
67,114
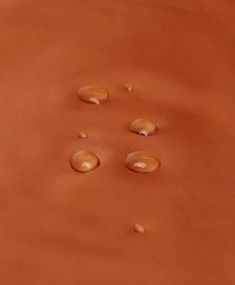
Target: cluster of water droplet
139,161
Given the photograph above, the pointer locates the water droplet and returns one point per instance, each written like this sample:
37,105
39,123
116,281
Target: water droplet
83,135
84,161
143,127
141,161
94,95
139,228
129,88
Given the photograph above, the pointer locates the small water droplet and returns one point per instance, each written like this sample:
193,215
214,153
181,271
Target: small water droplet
84,161
141,161
129,88
143,127
139,228
94,95
83,135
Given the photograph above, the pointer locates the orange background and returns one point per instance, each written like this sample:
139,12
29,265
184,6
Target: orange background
61,227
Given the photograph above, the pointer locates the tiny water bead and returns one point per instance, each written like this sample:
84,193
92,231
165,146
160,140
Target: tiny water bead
141,161
83,135
129,88
143,127
138,228
84,161
93,95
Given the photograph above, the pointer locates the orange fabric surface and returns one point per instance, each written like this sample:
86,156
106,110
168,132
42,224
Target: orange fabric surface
58,226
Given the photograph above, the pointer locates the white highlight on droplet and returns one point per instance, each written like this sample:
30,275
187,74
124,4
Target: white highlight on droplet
140,164
129,88
94,100
144,133
86,164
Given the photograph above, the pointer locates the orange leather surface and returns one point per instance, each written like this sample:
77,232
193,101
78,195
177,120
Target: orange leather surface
58,226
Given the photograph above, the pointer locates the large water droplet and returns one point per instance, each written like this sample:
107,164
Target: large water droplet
139,228
94,95
143,127
83,135
84,161
141,161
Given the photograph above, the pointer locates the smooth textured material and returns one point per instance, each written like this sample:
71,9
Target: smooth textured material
61,227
